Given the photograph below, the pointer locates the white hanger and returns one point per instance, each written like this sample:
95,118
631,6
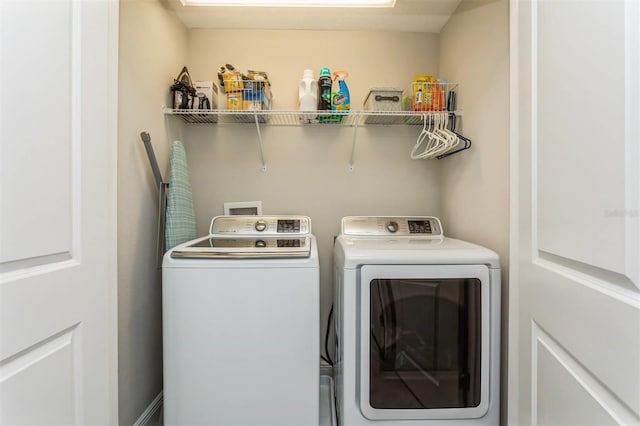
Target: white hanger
439,143
451,138
421,137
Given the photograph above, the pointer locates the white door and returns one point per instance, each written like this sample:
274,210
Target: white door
575,298
58,65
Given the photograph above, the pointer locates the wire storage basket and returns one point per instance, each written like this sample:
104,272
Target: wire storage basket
249,96
425,96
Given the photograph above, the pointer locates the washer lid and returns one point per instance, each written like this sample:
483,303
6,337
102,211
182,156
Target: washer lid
251,237
246,248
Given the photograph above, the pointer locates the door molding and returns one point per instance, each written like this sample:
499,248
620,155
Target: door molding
540,340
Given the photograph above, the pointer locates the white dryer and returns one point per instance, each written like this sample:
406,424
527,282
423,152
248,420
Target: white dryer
417,325
241,324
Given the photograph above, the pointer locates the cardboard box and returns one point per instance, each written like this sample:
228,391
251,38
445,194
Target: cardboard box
234,101
232,81
253,106
423,92
182,100
262,85
254,84
256,100
207,89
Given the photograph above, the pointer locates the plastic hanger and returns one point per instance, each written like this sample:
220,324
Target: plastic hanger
467,142
445,140
438,138
434,143
424,134
451,140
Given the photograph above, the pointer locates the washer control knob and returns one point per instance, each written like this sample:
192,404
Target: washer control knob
261,244
392,227
261,225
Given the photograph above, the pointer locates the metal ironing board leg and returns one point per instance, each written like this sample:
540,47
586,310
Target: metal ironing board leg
162,199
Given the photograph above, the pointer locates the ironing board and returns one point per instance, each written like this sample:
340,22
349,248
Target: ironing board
180,216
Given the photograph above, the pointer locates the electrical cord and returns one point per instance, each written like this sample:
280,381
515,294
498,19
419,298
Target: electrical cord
327,359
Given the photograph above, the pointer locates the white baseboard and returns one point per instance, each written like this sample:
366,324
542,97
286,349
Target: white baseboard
150,411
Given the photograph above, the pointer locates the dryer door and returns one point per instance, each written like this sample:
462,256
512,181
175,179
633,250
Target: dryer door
424,341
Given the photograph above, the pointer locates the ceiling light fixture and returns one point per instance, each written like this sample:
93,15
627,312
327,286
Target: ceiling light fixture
291,3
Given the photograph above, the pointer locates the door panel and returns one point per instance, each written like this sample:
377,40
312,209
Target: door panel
58,62
579,113
584,401
575,300
600,329
37,130
51,365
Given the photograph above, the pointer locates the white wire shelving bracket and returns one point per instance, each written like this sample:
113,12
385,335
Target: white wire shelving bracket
352,118
264,163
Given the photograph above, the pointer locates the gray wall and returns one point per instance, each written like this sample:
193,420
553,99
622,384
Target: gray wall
152,50
307,168
474,51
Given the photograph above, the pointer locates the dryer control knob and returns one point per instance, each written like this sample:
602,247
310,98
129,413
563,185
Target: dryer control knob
261,225
261,244
392,227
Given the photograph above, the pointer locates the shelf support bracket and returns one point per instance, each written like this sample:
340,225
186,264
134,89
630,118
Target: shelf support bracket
264,164
353,145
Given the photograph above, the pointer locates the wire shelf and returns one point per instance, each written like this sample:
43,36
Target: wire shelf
306,118
291,118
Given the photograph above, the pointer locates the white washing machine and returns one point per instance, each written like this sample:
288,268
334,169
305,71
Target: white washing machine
417,325
241,324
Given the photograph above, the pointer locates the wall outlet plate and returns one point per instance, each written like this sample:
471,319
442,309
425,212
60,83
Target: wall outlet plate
252,208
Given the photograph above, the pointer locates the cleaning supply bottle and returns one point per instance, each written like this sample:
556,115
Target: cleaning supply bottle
324,90
308,96
341,101
308,92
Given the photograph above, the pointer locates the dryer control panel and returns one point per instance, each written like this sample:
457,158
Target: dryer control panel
397,226
260,225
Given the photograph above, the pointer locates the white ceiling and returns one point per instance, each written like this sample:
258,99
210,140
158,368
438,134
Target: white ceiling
407,15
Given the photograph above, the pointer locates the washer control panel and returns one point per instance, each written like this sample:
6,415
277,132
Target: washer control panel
260,225
380,226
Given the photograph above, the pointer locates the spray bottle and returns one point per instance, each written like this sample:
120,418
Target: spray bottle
341,101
